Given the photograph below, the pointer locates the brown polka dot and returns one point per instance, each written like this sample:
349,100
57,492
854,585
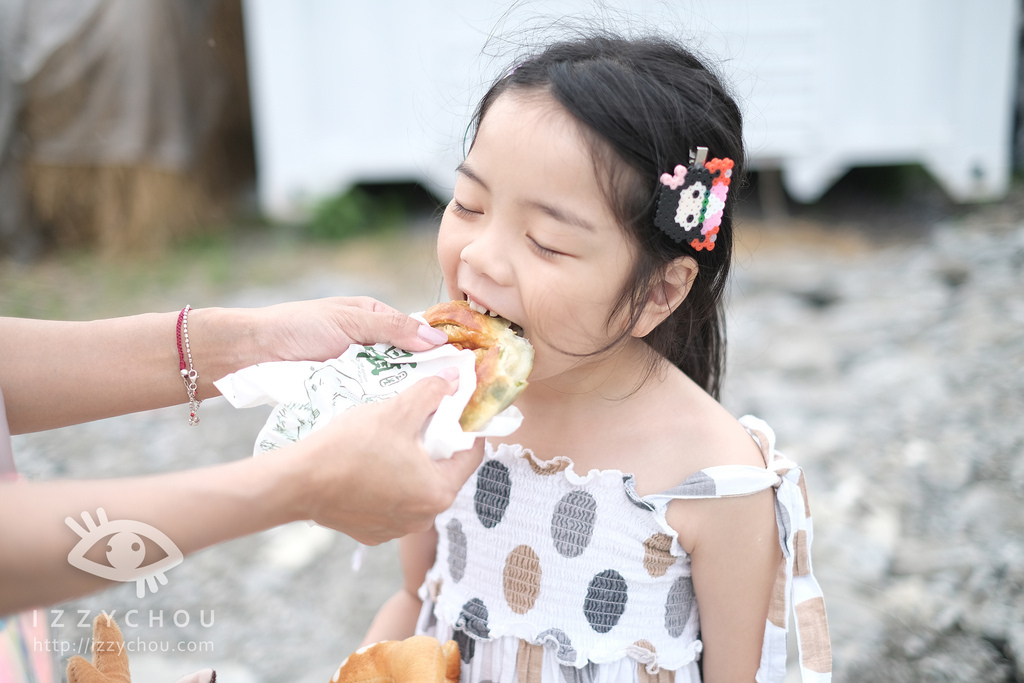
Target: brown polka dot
801,560
777,604
802,483
529,663
814,639
762,442
547,467
662,675
646,645
657,558
521,579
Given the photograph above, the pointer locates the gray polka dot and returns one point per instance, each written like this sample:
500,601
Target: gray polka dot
606,600
456,550
572,524
431,621
697,485
586,674
467,646
493,486
556,638
629,484
472,621
782,516
678,606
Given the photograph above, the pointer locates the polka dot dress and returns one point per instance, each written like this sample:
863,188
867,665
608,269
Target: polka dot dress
544,575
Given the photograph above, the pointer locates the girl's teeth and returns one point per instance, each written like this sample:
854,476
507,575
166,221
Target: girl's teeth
480,309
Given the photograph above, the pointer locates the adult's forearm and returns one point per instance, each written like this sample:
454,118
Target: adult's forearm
365,474
54,374
195,509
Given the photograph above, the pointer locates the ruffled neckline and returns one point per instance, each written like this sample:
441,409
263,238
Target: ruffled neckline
565,465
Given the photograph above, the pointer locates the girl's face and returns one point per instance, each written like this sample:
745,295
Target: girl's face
530,236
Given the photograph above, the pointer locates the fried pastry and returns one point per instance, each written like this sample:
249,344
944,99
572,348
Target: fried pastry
503,358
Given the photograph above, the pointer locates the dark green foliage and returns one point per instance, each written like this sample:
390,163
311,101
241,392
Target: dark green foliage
361,210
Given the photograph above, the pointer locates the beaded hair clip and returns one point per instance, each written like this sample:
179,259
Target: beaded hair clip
694,197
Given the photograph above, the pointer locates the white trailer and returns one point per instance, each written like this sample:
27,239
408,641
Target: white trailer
346,92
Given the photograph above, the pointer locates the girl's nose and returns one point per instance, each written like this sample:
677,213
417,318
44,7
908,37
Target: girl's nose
487,254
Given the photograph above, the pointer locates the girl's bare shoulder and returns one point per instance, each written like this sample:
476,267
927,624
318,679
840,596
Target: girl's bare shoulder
707,436
689,431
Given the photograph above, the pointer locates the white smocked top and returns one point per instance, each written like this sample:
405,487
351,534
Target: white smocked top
543,574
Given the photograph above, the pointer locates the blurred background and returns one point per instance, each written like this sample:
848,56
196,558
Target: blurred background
155,153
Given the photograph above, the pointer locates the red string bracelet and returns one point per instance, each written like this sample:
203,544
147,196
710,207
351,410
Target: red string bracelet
188,372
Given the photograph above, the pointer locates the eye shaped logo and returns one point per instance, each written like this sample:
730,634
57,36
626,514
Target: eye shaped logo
126,550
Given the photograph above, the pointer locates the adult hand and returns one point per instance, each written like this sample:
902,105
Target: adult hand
323,328
143,349
368,474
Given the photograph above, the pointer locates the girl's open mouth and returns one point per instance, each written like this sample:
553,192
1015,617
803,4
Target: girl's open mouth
517,328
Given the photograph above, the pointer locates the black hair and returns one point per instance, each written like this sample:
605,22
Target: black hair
643,105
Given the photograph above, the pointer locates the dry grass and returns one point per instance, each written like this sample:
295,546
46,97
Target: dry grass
81,284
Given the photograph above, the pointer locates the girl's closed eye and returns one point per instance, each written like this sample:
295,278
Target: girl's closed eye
461,210
544,251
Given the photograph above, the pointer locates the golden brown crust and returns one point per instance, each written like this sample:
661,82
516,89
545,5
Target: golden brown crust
503,360
465,327
417,658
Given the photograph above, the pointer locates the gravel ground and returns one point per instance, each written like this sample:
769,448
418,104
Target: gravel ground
888,361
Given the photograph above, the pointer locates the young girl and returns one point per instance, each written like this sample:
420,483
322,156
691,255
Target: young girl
631,529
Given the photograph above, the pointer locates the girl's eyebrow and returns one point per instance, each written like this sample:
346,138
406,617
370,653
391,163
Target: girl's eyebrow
560,215
465,170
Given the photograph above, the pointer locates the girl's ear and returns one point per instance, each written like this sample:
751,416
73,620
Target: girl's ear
667,294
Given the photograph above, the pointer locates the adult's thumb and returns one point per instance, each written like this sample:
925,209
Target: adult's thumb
456,469
419,401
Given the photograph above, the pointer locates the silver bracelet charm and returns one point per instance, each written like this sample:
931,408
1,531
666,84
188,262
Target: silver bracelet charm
188,371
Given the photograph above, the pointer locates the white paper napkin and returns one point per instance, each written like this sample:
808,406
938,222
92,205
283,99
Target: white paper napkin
308,394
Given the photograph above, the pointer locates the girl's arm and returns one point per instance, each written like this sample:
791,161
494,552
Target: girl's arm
735,555
55,373
396,619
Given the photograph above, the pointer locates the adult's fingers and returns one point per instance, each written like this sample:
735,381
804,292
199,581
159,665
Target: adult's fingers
383,324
